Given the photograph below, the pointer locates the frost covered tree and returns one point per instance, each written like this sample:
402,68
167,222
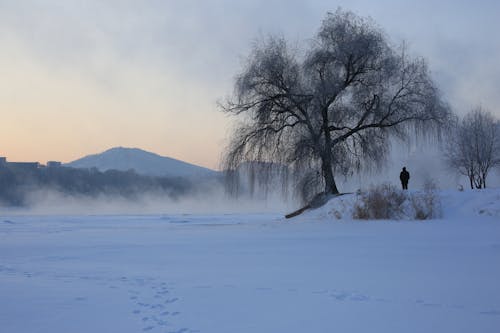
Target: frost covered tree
473,146
330,109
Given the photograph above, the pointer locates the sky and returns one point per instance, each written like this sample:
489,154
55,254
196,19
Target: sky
78,77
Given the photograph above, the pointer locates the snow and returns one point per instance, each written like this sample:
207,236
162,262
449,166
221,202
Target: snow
457,205
254,272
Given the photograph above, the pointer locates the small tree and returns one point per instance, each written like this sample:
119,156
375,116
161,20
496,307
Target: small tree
331,110
473,146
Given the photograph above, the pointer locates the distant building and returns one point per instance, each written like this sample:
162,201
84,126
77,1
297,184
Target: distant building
23,165
54,164
19,165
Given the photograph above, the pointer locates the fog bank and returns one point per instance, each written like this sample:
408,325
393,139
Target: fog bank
214,201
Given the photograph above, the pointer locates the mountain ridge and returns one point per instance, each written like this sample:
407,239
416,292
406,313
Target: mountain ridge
142,161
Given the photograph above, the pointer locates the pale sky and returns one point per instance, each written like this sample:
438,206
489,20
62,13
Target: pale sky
80,77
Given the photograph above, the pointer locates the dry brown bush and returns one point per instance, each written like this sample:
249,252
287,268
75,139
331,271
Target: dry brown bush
379,203
385,202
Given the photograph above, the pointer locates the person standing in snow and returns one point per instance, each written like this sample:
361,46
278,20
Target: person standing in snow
404,176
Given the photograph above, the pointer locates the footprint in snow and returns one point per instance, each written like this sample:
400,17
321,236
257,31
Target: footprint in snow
432,305
382,300
490,313
182,330
359,298
340,296
319,292
161,322
203,287
172,300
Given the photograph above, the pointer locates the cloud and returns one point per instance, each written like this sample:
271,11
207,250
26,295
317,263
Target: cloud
94,74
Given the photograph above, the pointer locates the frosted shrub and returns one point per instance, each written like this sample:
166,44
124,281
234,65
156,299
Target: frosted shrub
385,202
381,202
426,205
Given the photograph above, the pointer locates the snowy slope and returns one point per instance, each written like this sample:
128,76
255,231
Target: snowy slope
455,204
141,161
254,273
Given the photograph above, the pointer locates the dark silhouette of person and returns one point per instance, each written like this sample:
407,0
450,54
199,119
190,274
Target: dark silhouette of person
404,176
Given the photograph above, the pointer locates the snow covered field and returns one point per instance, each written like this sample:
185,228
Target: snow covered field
254,273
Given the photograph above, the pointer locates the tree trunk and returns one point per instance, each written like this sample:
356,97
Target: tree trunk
326,166
326,160
483,178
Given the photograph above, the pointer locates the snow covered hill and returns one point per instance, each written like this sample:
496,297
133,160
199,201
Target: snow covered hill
454,204
142,162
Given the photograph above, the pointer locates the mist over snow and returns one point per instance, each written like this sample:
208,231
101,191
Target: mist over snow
126,181
204,192
209,198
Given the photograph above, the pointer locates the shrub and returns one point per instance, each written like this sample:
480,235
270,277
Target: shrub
380,202
385,202
426,205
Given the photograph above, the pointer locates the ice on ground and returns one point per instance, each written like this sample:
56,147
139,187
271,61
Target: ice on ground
254,272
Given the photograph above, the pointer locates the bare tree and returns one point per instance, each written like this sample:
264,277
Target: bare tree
330,110
473,146
458,152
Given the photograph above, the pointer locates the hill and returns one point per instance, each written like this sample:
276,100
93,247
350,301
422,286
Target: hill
143,162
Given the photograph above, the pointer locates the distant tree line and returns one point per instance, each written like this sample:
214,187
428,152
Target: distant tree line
16,184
